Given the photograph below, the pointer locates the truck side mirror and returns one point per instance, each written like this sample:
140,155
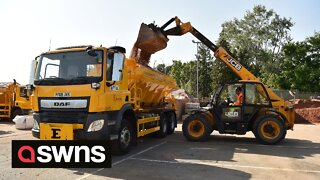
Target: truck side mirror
33,68
117,66
28,89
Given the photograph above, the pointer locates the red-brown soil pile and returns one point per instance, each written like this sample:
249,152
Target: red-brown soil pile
307,111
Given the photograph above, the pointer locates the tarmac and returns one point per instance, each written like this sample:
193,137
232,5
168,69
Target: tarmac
222,157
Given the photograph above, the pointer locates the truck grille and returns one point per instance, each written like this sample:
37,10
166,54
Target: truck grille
63,117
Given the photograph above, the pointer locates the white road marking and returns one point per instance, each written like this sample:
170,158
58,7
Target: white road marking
14,134
183,161
122,160
260,145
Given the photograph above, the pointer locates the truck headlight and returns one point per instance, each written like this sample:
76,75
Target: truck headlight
35,125
96,125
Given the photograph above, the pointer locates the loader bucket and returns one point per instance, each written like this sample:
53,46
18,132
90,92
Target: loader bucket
151,39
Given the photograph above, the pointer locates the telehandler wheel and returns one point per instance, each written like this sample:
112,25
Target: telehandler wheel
162,133
125,137
171,122
196,128
269,130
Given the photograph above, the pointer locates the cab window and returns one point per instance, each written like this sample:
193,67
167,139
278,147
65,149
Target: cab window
256,95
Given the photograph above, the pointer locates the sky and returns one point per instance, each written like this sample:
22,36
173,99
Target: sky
28,26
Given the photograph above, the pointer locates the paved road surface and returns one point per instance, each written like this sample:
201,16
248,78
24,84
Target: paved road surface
222,157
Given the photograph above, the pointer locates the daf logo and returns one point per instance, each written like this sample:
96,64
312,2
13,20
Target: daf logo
74,103
59,104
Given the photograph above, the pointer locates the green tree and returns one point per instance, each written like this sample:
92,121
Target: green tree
205,61
185,75
163,68
302,65
256,41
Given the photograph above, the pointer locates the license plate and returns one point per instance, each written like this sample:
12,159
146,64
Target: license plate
54,131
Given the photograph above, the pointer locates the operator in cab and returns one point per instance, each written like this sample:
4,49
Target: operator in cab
239,97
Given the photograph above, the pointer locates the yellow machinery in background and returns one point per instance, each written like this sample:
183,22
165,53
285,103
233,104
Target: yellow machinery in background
14,100
97,93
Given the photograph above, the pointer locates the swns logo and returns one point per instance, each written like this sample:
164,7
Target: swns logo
61,154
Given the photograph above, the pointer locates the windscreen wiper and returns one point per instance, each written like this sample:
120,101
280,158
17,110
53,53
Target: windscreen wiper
80,79
49,81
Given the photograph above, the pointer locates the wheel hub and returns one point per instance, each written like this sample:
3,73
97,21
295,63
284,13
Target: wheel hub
196,128
125,136
268,129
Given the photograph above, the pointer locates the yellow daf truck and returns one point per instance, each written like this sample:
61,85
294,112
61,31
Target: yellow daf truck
96,93
14,100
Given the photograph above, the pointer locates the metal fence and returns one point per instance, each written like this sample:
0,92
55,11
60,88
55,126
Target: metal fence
297,94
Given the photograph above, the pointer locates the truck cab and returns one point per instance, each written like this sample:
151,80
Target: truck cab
96,93
72,86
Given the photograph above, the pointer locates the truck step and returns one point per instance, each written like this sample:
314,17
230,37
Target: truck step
111,123
113,137
4,110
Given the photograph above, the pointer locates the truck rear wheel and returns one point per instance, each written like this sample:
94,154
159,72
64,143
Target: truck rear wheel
125,136
171,122
269,130
196,128
162,133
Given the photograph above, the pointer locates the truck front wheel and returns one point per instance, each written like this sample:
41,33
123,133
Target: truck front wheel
16,112
125,136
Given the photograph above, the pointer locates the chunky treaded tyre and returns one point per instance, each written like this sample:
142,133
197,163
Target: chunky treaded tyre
16,112
269,130
196,128
171,122
162,133
125,138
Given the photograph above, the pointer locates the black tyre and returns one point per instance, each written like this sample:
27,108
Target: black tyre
162,133
171,122
16,112
196,128
269,130
125,138
284,135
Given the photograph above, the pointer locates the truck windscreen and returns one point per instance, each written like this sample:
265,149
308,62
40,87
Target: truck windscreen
64,68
